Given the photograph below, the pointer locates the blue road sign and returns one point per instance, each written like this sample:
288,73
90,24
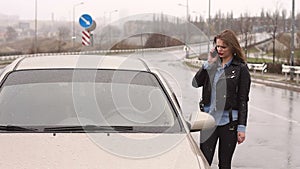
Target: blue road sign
85,21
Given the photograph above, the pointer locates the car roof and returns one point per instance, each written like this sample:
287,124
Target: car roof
81,62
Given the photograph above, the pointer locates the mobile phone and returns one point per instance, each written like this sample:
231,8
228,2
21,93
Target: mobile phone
215,53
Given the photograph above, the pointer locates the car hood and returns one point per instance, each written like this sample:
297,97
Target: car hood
94,150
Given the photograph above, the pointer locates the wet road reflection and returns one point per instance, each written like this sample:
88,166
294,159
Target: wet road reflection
273,130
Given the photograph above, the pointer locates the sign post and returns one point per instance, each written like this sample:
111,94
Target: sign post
87,22
86,38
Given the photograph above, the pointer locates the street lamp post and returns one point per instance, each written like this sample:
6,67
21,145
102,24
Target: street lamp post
208,25
111,13
186,29
292,39
110,26
73,33
35,28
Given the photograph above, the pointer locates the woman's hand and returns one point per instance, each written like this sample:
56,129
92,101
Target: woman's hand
241,137
210,58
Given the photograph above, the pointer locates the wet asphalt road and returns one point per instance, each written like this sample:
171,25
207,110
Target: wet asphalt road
273,132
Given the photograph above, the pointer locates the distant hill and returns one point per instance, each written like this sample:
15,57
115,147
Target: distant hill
45,45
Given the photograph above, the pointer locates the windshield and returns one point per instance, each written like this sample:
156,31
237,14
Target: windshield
85,97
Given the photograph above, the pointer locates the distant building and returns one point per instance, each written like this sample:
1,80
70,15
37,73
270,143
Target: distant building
9,20
24,25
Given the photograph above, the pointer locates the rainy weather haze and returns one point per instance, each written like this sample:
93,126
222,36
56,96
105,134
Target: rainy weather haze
143,55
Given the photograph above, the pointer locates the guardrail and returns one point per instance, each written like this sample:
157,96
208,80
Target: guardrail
287,69
258,67
255,67
194,62
12,57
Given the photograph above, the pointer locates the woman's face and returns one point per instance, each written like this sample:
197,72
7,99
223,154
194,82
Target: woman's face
223,50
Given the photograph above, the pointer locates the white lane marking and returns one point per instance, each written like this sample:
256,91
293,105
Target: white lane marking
276,115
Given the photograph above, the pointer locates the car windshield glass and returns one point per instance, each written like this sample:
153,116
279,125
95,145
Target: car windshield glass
85,97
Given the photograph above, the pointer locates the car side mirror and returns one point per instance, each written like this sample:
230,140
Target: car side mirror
201,120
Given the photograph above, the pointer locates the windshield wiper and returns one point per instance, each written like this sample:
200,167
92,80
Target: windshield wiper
16,128
88,128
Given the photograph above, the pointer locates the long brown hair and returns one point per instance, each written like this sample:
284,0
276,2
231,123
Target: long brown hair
230,39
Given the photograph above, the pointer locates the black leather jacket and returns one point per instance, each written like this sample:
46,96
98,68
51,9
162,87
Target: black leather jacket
232,90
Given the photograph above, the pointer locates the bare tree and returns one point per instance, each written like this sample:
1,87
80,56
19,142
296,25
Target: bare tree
229,20
246,26
63,35
273,26
11,34
284,24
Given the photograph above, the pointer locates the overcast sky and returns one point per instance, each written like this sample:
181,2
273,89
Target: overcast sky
63,9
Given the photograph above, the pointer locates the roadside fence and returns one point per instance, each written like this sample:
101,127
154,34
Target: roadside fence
287,69
258,67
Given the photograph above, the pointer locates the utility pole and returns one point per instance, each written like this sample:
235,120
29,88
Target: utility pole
187,29
208,25
111,26
73,24
292,39
35,28
186,48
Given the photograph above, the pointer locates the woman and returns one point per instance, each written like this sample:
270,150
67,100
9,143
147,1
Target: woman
226,82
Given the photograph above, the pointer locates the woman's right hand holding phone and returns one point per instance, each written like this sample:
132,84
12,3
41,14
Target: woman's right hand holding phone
213,56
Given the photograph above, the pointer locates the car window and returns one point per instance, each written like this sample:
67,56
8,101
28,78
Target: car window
85,97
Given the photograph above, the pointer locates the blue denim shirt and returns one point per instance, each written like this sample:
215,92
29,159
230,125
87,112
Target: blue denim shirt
221,117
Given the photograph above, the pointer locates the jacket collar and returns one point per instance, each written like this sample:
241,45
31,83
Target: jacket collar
236,61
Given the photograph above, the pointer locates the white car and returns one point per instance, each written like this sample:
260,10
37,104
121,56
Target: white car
88,111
